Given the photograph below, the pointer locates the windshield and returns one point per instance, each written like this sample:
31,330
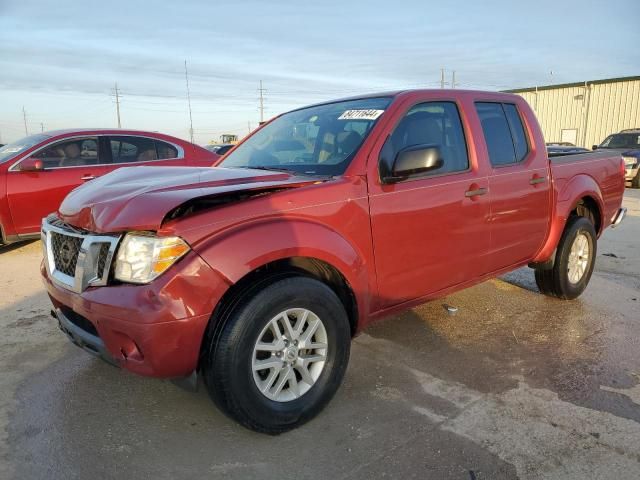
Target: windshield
9,151
622,140
319,140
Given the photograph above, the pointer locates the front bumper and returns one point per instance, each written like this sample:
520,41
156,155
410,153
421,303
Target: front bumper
153,330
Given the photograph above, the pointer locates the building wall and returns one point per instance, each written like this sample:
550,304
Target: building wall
595,110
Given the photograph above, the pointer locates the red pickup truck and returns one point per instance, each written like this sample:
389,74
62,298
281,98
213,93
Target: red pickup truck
256,273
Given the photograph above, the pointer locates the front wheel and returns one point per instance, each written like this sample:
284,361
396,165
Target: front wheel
574,262
280,356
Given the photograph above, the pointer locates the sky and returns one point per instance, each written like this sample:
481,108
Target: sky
61,60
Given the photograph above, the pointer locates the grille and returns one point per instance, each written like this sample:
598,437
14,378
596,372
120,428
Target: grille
65,252
63,245
102,258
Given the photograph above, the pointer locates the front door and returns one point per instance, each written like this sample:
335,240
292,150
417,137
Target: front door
33,195
431,232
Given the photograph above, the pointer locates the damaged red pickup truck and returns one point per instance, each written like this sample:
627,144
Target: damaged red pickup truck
256,273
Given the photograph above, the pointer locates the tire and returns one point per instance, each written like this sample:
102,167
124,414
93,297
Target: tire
635,181
560,281
230,361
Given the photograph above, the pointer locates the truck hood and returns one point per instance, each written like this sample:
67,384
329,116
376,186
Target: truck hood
139,198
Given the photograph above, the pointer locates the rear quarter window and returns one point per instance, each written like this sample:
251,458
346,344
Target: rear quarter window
503,131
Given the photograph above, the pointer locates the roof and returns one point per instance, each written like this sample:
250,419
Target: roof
395,93
65,131
575,84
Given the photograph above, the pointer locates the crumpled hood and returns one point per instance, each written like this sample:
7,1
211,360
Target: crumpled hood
139,198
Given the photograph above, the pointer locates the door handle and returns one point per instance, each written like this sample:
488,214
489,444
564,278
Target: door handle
86,178
475,193
536,180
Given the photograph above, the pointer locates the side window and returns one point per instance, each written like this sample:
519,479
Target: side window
70,153
132,149
517,131
503,132
435,124
165,150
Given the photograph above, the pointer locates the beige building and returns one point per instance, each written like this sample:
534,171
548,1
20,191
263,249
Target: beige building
585,113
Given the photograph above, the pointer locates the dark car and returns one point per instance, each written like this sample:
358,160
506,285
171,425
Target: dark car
627,143
221,148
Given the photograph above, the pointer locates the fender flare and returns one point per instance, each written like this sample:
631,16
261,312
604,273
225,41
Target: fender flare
239,251
567,200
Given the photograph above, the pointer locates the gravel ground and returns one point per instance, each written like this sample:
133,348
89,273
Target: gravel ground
514,385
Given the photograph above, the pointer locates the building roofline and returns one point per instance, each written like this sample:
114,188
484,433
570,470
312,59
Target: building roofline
574,84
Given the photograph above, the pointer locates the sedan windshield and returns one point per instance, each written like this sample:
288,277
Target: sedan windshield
320,140
622,140
9,151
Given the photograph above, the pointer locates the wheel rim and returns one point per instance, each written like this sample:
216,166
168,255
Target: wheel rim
579,257
289,354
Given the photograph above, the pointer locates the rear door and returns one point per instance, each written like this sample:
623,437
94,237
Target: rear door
430,232
132,151
67,164
519,183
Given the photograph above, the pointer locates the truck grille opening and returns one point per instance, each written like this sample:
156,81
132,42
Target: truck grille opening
65,252
77,259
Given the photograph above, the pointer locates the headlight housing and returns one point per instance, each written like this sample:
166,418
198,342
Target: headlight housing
141,258
630,162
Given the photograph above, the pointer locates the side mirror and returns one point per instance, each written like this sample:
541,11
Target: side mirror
31,165
411,161
594,147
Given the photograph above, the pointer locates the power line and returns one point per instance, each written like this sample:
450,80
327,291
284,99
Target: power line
186,77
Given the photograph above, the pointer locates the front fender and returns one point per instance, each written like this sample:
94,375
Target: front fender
238,252
568,194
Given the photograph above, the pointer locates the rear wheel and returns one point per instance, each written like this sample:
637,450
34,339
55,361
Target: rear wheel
280,356
574,262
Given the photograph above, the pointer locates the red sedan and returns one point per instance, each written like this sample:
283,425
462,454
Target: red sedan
38,171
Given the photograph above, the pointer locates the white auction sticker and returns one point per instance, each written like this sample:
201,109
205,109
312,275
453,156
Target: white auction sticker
361,115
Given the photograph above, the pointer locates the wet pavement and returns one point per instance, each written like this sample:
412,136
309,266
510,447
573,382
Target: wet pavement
512,385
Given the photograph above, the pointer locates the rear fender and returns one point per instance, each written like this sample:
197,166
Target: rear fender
567,198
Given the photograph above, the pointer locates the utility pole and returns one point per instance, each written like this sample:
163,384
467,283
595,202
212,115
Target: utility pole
249,126
186,77
261,90
24,117
442,78
118,105
453,79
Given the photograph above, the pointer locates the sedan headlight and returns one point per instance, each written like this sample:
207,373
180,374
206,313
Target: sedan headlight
141,258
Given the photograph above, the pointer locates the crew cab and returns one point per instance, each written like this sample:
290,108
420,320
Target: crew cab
255,274
38,171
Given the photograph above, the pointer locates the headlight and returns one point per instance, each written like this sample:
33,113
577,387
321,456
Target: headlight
141,258
630,162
